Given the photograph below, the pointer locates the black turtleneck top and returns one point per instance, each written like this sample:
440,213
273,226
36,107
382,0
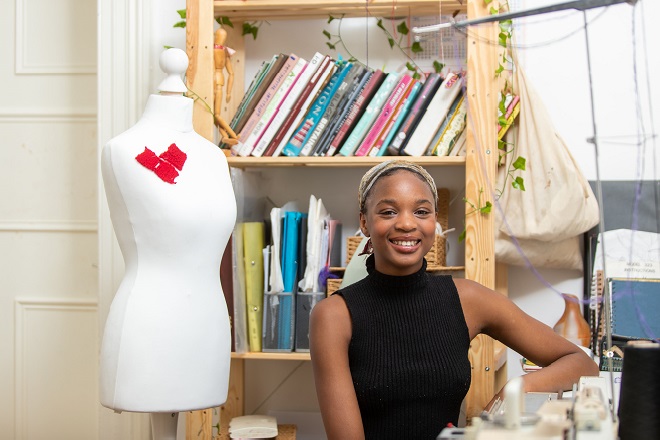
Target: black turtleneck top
408,353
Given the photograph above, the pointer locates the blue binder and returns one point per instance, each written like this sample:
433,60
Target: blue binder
290,258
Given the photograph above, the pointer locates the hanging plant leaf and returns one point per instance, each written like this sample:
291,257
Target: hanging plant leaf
410,67
416,47
391,42
486,208
493,11
180,24
402,28
327,34
379,23
438,66
461,237
225,21
416,75
518,183
520,163
331,46
182,13
499,70
330,18
503,37
250,29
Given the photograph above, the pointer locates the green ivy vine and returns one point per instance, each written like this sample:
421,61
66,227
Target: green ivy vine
249,27
335,40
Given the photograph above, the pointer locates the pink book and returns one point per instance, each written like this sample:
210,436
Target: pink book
386,113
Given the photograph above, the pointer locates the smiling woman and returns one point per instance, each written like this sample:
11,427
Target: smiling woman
390,352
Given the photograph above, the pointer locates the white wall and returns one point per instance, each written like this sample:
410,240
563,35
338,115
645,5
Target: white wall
553,53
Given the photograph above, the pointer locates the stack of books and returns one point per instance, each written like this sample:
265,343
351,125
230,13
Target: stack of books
326,107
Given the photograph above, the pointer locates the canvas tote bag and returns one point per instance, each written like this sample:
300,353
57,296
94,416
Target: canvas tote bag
558,204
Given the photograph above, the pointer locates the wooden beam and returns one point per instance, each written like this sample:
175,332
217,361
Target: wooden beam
199,77
480,171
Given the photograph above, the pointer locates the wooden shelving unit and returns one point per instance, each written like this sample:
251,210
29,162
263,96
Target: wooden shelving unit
480,163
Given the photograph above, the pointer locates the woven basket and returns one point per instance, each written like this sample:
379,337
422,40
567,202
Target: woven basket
436,258
333,285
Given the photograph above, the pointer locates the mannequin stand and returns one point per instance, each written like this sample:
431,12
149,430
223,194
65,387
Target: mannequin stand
164,425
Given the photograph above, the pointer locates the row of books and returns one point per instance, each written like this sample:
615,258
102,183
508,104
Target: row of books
277,277
324,107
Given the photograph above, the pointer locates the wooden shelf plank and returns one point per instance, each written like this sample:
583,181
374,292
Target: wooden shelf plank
272,356
433,269
337,161
306,9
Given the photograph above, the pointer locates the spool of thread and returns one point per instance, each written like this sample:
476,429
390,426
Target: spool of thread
639,405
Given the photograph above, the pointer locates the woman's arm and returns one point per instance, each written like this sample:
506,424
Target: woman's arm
329,336
491,313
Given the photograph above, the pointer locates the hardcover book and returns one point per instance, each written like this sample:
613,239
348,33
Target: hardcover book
251,90
353,108
338,90
250,142
259,109
370,114
384,142
328,120
264,79
400,139
390,106
512,113
303,133
287,104
344,106
452,129
316,82
435,113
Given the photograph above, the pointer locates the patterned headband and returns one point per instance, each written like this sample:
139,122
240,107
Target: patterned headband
385,169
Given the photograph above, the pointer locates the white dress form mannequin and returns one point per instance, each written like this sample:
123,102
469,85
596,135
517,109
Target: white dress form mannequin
166,345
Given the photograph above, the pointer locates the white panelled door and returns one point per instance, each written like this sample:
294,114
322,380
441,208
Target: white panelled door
48,221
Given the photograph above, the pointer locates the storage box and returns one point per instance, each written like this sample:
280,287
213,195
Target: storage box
279,322
305,302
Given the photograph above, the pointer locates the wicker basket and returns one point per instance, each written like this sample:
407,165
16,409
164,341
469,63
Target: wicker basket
333,285
436,258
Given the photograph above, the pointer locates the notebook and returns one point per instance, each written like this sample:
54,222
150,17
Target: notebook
635,307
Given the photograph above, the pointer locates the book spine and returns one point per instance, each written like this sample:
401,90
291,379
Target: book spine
274,106
356,110
453,130
398,119
509,121
286,125
236,123
304,130
355,87
300,110
329,119
369,115
321,108
260,108
410,123
288,102
431,150
385,115
261,149
434,115
341,128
